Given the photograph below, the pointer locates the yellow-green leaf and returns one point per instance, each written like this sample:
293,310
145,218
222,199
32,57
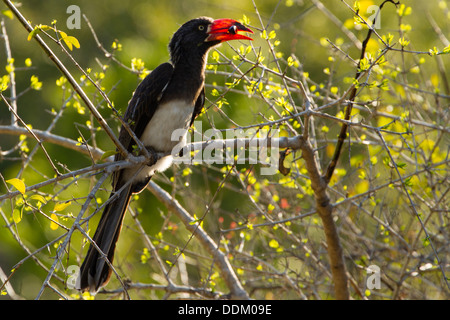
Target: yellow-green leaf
8,13
28,62
18,184
35,83
17,215
74,41
263,34
4,82
38,197
63,34
446,49
107,154
54,225
61,206
35,31
215,56
70,41
245,20
187,171
274,244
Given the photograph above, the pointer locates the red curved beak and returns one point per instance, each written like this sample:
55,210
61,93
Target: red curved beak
227,29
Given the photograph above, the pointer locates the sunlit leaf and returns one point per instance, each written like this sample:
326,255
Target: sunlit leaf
61,206
18,184
17,215
107,154
37,30
274,244
38,197
70,41
8,13
54,225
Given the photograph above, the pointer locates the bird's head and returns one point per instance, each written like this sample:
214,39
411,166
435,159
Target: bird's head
197,36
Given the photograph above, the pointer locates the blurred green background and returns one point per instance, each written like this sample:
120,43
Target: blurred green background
144,28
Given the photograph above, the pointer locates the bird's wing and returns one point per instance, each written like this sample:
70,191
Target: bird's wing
144,103
198,105
141,109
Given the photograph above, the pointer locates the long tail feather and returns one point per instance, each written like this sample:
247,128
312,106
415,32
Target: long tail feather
95,272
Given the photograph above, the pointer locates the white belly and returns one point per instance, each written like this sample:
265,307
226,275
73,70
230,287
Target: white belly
175,115
167,128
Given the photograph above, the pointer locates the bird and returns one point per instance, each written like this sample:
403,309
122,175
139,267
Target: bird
169,98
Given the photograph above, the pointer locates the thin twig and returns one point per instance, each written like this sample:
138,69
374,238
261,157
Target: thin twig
69,77
227,272
31,132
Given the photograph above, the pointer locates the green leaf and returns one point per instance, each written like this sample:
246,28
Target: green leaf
38,197
401,165
18,184
426,241
245,20
364,64
263,34
35,83
169,263
403,10
70,41
145,255
37,30
8,13
272,34
107,154
17,215
54,225
434,51
215,56
274,244
408,182
61,206
403,42
4,82
179,252
187,171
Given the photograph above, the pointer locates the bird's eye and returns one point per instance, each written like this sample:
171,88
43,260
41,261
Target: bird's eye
201,27
232,29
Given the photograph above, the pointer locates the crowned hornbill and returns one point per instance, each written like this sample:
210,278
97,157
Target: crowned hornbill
169,98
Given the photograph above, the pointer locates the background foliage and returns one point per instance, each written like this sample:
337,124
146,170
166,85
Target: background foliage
389,191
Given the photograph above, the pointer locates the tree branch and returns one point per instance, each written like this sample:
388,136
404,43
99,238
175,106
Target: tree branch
55,139
69,77
226,270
